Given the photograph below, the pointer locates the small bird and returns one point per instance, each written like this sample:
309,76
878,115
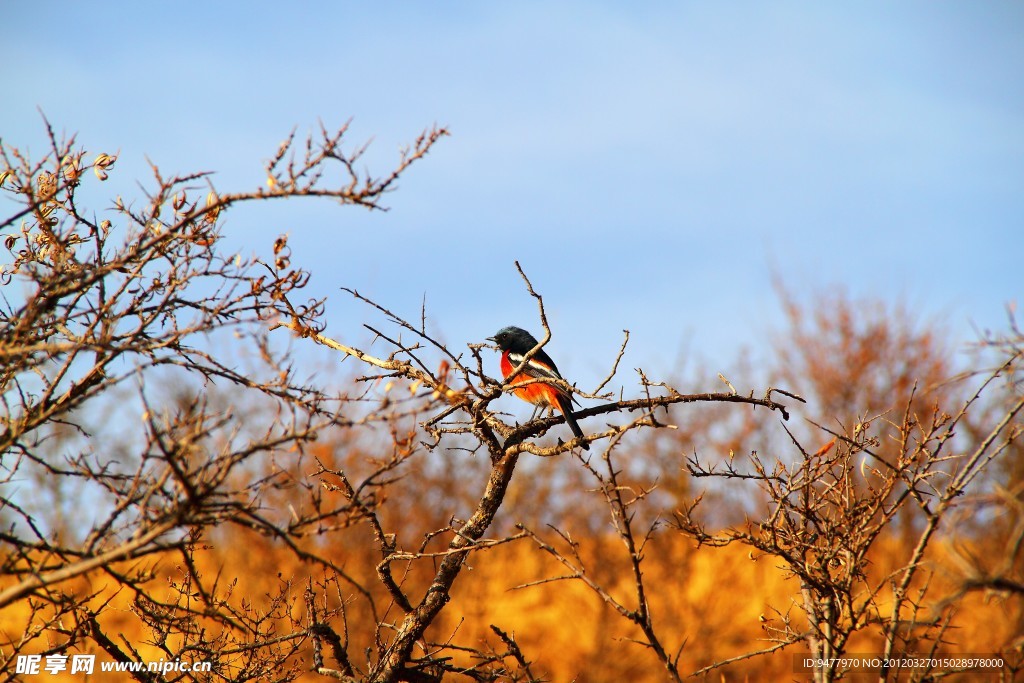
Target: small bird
515,343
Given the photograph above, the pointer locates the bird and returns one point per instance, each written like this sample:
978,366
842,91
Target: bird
515,343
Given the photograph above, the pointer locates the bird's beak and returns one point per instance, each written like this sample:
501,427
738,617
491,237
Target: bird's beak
492,339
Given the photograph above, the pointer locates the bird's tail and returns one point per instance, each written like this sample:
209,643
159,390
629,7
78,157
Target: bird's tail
565,406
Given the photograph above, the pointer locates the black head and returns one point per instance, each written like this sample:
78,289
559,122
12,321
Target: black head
513,339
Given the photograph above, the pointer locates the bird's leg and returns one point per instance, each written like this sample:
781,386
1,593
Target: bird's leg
537,412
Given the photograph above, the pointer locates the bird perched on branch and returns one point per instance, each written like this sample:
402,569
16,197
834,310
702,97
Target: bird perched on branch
515,343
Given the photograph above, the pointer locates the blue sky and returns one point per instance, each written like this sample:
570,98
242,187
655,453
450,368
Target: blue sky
651,166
